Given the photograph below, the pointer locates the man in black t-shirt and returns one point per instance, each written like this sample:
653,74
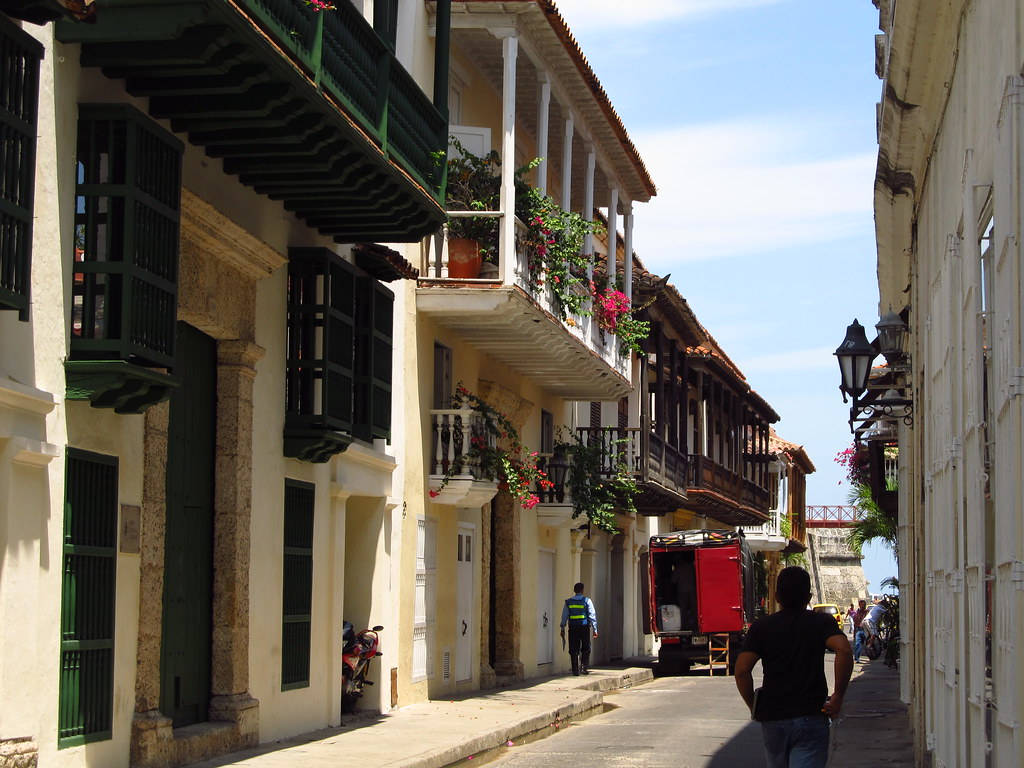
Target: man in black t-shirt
793,704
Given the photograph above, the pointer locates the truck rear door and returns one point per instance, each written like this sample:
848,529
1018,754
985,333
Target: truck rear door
719,589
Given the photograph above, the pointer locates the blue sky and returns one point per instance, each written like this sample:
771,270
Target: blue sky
756,119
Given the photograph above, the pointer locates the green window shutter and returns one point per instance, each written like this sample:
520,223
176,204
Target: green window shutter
20,54
374,324
297,597
127,213
385,21
87,599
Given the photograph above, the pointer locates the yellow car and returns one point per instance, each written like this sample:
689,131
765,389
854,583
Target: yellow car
831,609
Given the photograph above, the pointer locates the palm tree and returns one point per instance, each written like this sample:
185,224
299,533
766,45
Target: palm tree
874,523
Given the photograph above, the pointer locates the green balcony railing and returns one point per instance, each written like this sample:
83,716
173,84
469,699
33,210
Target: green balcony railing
355,68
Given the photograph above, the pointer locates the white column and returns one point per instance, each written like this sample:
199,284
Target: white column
613,236
567,163
542,132
588,204
627,265
507,233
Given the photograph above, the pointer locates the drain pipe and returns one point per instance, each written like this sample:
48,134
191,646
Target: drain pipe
442,55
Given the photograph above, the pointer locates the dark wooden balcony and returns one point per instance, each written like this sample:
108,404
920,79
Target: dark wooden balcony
659,469
719,492
309,108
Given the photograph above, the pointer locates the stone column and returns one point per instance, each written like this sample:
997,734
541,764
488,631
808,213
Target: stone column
151,730
487,676
229,674
507,586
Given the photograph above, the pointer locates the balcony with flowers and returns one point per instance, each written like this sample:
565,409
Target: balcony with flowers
529,294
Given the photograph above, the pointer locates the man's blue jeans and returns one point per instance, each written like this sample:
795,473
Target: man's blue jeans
800,742
858,643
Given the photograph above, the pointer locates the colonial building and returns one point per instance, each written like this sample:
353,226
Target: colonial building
490,571
201,365
948,197
785,531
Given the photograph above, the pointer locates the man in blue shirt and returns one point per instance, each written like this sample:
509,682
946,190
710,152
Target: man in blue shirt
578,612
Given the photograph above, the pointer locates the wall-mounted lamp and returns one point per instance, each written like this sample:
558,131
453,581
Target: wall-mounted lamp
871,416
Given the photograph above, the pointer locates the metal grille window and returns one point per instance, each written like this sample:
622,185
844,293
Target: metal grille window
297,597
19,102
126,238
340,327
87,602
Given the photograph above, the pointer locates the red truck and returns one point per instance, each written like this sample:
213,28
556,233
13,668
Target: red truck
700,583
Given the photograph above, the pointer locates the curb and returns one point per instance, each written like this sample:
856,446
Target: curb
591,697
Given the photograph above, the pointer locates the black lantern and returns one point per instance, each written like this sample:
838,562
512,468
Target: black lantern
892,337
855,355
558,468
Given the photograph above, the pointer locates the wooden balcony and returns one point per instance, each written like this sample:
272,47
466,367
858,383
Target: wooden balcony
312,109
719,492
659,468
521,327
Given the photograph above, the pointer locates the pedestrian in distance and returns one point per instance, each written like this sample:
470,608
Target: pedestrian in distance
578,612
859,631
793,705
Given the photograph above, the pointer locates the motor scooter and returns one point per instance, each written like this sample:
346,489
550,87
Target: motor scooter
357,650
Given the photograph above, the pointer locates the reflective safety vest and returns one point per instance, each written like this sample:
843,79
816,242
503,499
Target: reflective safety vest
578,616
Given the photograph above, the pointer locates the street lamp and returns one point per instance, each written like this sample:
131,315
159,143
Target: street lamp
892,337
855,355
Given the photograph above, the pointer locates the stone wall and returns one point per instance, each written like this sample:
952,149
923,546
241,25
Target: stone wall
836,572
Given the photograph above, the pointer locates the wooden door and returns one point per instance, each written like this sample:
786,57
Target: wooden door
188,542
464,619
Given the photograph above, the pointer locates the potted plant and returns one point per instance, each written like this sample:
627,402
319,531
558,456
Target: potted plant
474,184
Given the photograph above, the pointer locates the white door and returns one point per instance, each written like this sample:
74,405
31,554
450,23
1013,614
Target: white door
546,618
464,608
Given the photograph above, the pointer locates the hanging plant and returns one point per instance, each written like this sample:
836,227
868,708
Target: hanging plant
600,480
498,452
615,314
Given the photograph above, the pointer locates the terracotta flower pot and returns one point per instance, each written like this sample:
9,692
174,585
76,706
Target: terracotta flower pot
463,258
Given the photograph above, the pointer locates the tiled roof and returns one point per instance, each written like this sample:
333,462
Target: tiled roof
794,451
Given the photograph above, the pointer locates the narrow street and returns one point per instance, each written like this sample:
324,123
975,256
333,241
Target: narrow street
676,722
693,721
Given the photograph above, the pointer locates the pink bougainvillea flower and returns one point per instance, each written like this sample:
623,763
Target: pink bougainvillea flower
434,494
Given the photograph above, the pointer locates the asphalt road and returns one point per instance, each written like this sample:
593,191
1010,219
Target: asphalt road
694,721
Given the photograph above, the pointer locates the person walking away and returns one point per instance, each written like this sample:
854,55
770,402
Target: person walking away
859,635
871,623
793,705
578,612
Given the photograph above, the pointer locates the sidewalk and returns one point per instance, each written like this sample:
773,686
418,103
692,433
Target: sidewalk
438,733
873,728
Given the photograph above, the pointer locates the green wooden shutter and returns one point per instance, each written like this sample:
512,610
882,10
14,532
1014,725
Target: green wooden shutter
125,290
320,344
374,331
297,587
20,54
87,601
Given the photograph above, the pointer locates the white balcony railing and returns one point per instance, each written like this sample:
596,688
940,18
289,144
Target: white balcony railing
583,327
454,433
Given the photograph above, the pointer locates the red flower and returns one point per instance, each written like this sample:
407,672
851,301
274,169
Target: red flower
434,494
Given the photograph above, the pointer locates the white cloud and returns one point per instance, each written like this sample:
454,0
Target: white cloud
594,14
749,186
793,360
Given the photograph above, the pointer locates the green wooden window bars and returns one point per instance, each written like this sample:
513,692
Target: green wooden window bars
87,600
124,295
339,347
19,103
297,597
